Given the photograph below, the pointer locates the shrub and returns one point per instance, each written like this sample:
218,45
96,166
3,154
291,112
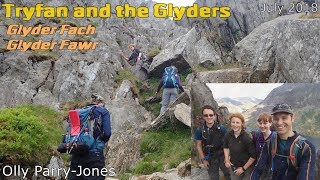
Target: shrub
28,134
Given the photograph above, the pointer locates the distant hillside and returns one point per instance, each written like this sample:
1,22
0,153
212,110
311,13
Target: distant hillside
239,104
304,100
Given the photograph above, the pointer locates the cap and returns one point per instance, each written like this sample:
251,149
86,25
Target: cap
284,108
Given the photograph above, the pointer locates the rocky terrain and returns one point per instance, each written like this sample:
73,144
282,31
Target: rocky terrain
250,46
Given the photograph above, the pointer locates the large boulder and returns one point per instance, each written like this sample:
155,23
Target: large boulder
183,113
128,120
246,15
169,115
278,49
234,75
189,50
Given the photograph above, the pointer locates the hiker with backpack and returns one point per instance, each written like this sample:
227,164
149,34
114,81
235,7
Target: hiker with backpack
88,131
170,81
239,150
287,155
209,142
261,136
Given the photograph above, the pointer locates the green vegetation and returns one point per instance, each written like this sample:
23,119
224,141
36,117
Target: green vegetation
307,122
153,52
125,75
28,134
164,148
153,107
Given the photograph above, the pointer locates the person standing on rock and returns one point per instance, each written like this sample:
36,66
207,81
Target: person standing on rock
170,81
287,155
136,56
94,159
209,143
239,150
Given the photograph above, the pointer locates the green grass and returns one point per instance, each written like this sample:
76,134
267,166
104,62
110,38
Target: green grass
29,134
164,148
125,75
153,52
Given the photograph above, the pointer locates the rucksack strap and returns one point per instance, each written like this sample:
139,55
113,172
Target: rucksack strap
296,145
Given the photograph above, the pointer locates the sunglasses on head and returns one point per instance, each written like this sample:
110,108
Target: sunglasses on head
208,115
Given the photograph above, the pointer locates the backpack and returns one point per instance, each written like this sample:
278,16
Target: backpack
81,132
211,139
169,77
295,146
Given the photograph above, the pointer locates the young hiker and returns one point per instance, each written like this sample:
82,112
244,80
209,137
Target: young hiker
136,56
239,151
260,137
101,132
287,155
170,81
209,140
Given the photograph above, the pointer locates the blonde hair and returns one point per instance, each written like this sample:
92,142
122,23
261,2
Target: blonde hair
131,45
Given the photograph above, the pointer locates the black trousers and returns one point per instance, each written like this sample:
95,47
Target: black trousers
214,165
87,167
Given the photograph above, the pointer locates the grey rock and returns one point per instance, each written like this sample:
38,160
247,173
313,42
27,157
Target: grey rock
234,75
184,168
246,15
124,91
189,50
167,175
55,164
183,113
278,49
168,115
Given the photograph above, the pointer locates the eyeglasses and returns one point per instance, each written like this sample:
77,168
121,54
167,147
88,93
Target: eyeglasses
208,115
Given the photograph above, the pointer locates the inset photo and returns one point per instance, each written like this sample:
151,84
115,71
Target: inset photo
257,131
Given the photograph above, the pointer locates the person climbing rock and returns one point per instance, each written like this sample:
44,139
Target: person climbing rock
171,82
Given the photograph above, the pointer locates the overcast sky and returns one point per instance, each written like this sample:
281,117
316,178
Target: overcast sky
177,2
233,90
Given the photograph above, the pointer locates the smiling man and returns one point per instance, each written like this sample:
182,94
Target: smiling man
288,155
209,141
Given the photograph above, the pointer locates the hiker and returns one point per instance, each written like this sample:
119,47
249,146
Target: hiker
97,100
264,133
94,159
209,140
287,154
239,150
170,81
136,56
261,136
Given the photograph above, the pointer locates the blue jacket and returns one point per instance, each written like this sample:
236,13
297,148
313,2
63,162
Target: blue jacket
104,114
283,169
